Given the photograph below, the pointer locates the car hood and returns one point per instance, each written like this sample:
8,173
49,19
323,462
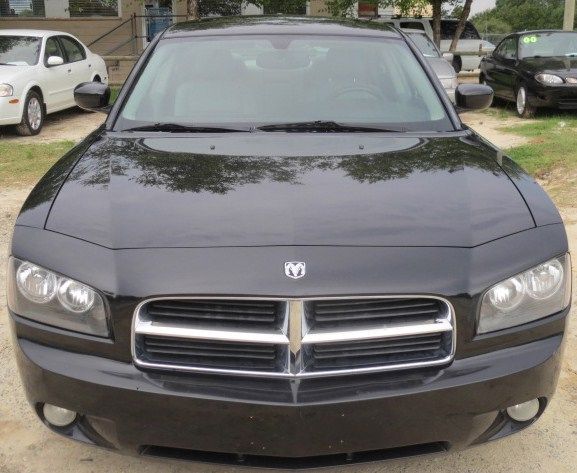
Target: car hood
10,74
285,189
441,68
559,64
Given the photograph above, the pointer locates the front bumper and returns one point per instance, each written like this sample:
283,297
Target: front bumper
286,422
563,97
10,113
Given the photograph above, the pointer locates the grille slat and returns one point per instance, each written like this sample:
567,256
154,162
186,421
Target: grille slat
223,312
333,356
349,313
211,354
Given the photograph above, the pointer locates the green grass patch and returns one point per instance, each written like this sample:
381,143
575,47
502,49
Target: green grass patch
22,164
114,91
553,144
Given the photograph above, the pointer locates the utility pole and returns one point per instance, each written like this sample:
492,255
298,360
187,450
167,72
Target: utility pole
569,17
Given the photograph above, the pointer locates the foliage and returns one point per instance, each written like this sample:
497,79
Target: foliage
488,22
519,15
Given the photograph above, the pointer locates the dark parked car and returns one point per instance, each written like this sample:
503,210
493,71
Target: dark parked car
534,69
284,248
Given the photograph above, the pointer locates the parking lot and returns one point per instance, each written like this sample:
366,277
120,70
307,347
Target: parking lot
27,446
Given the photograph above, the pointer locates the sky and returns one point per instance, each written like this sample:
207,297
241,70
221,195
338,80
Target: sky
481,5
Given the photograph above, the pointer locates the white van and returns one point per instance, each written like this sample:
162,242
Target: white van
470,39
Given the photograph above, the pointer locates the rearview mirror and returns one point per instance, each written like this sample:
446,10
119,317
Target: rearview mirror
473,97
54,61
93,96
448,57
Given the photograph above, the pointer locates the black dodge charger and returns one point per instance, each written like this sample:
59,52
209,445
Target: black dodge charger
283,248
534,69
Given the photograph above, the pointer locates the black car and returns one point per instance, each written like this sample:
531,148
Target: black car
284,248
534,69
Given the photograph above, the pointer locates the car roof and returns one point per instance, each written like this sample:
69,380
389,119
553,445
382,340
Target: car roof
254,25
32,32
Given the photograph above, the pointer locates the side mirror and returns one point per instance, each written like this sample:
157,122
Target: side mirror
449,57
92,96
473,97
54,61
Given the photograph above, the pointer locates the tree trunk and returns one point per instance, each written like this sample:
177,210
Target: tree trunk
192,9
437,21
461,25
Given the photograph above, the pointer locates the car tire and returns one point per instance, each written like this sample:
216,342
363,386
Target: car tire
524,110
457,64
32,116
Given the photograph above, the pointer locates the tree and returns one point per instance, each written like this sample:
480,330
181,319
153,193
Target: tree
520,15
408,7
192,10
461,25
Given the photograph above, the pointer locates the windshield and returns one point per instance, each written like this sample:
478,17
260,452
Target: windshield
548,44
19,50
425,45
255,81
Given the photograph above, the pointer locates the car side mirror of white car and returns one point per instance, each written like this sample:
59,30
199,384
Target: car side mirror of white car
54,61
448,57
93,96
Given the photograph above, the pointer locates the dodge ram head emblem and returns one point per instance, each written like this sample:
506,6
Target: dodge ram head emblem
295,269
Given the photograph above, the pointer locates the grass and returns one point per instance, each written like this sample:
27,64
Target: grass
23,164
552,144
551,153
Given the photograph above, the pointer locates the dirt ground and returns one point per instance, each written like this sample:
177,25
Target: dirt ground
72,124
27,446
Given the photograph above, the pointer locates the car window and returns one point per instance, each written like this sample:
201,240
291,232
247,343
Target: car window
507,49
448,28
53,49
255,81
19,50
412,25
74,51
548,44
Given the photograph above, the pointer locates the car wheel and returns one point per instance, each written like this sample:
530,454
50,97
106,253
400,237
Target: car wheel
524,110
32,116
457,64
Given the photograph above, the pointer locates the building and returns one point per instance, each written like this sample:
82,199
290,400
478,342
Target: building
114,27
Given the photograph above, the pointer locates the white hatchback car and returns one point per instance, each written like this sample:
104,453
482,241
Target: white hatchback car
38,73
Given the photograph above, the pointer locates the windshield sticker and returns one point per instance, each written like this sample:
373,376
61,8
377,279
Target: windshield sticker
530,39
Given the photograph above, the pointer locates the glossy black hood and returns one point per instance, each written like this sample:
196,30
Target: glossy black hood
286,189
566,66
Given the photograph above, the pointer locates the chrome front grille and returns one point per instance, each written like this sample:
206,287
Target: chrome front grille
293,337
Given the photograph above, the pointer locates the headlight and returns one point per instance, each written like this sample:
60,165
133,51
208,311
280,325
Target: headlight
549,79
41,295
6,90
541,291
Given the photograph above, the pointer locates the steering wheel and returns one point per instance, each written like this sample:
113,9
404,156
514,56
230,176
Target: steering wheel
370,90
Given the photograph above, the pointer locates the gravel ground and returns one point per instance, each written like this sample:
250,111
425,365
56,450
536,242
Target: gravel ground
27,446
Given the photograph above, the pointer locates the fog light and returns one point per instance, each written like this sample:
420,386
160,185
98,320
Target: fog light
524,411
58,416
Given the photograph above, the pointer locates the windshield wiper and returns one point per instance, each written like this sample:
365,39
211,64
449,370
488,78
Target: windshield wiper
324,126
180,128
6,64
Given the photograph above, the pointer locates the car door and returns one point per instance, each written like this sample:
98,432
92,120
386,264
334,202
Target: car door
504,73
78,67
54,79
